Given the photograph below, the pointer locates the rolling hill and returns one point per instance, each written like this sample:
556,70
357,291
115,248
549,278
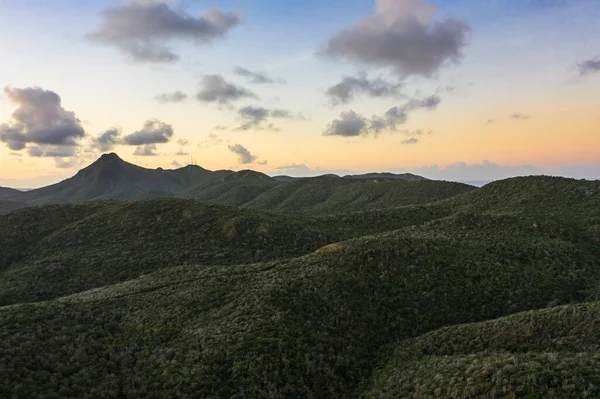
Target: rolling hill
112,178
180,298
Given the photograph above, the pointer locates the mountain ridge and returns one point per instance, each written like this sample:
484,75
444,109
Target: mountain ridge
110,177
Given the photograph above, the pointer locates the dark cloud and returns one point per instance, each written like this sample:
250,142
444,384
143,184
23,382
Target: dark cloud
143,29
351,124
147,150
174,97
588,66
257,77
39,119
153,132
350,86
183,142
412,140
51,151
244,156
518,115
255,117
401,34
214,88
429,102
107,140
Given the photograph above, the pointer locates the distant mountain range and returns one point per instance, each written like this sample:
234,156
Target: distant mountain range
110,177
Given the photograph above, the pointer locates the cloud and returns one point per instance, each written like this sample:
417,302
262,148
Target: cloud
244,156
412,140
351,124
518,115
143,29
214,88
350,86
107,140
588,66
403,35
257,77
66,163
221,127
51,151
176,164
461,171
293,168
183,143
147,150
256,116
213,140
174,97
490,121
429,102
39,119
153,132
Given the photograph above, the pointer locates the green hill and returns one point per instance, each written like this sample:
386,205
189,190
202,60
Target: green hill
112,178
179,298
332,194
77,247
537,354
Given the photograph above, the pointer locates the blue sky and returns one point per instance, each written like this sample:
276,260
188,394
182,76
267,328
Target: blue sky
519,57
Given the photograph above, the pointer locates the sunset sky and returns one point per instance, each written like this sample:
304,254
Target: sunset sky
449,89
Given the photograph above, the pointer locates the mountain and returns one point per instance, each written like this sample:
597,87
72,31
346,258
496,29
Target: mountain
112,178
489,293
389,176
8,192
334,194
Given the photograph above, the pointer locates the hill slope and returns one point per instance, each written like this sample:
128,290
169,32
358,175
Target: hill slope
278,305
539,354
112,178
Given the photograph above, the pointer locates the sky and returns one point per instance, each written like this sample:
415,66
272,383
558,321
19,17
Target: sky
448,89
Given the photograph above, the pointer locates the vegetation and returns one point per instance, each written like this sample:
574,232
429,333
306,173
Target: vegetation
112,178
482,294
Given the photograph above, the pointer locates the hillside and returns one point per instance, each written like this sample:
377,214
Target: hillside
112,178
78,247
389,176
333,194
181,298
545,353
8,192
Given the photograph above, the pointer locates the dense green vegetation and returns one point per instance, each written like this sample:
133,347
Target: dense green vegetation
549,353
490,293
112,178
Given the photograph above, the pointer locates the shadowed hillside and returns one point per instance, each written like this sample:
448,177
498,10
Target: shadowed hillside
112,178
539,354
191,299
8,192
332,194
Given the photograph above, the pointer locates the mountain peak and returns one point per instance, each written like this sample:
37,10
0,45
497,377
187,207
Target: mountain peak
110,157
